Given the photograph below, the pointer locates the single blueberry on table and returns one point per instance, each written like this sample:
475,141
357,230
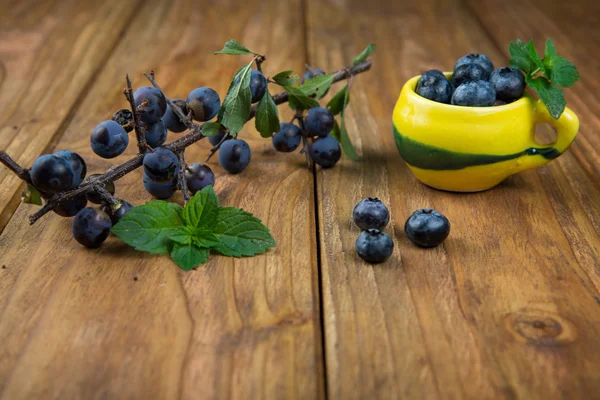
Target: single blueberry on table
115,214
371,213
509,84
258,85
94,197
77,163
123,117
204,103
476,58
288,138
156,103
469,73
433,85
325,151
374,246
156,133
198,176
215,140
52,174
161,165
70,207
318,122
427,228
474,94
109,139
171,120
91,227
160,190
234,155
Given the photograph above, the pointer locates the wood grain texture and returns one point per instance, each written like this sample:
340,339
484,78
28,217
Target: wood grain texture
77,323
508,306
49,53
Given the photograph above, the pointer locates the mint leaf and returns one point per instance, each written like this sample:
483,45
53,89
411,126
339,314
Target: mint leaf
205,239
366,53
147,227
285,78
267,116
298,100
338,103
533,55
335,132
235,109
562,72
201,211
552,96
345,142
211,128
520,57
234,48
188,256
240,233
550,50
182,235
31,195
317,86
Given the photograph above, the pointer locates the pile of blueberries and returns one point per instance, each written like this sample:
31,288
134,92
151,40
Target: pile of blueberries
425,228
474,83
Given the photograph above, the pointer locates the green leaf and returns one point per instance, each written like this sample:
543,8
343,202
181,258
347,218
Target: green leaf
182,234
550,50
235,109
317,86
562,72
201,211
267,116
188,256
335,132
298,100
285,78
147,227
345,142
32,196
520,57
205,239
552,96
338,103
211,128
533,55
234,48
241,234
366,53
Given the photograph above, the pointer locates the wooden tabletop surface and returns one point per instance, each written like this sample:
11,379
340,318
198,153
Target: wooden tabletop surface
508,307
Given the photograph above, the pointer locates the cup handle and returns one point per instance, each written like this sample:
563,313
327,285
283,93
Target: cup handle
566,127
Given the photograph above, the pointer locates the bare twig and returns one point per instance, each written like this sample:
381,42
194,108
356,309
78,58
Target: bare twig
11,164
137,126
182,183
218,146
305,147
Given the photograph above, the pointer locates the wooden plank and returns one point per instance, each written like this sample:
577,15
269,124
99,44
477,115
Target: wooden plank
76,323
507,307
50,51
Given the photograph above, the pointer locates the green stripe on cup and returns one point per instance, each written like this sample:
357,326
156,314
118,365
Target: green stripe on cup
425,156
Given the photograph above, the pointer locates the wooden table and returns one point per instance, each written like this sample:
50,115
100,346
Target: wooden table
508,307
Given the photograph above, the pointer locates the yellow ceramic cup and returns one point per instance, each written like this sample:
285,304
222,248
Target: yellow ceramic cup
468,149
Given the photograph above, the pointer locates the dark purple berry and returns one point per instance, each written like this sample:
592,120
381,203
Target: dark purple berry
374,246
371,213
427,228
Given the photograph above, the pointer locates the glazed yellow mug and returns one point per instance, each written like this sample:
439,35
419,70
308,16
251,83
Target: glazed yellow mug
469,149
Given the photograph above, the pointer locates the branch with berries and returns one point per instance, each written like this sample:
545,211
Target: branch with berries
191,232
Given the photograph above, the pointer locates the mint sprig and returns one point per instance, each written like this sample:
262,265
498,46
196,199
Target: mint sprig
545,75
189,234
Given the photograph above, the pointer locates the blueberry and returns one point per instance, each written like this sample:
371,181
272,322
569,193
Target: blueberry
258,85
123,117
433,85
198,176
214,140
371,213
234,155
94,197
476,58
77,163
374,246
156,103
109,139
318,122
156,133
161,165
288,138
52,174
474,94
160,190
509,84
204,103
122,208
427,228
70,207
325,151
91,227
469,73
171,120
311,73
